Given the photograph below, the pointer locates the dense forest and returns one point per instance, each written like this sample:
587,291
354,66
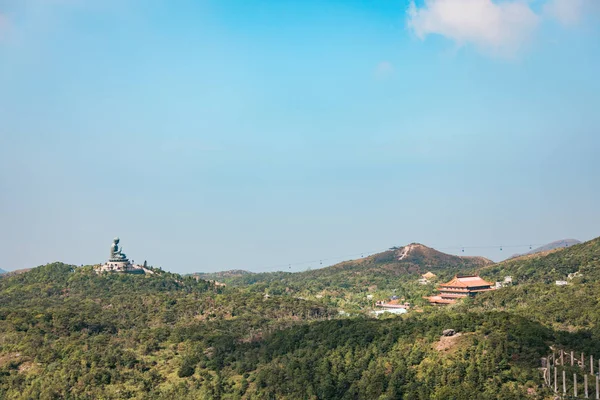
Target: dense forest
67,332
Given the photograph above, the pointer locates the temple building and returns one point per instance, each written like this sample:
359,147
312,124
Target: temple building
118,261
428,275
394,303
460,287
426,278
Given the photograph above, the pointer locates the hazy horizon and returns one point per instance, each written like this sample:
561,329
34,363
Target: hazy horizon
221,135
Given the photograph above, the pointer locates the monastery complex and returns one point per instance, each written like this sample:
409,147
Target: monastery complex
460,287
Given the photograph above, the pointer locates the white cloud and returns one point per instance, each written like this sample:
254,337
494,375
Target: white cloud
570,12
384,70
497,27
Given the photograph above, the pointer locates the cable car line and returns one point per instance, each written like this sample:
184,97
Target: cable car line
319,262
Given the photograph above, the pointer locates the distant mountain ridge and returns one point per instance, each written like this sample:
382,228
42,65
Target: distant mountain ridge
377,269
14,272
232,273
2,271
550,246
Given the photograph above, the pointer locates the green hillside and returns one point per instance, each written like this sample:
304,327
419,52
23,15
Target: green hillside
413,259
223,276
67,332
346,284
548,267
70,333
402,359
535,295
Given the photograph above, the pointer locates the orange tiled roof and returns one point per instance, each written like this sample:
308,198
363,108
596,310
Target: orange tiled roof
466,282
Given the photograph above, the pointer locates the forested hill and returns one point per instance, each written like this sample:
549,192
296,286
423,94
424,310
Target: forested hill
222,276
352,285
574,307
413,259
550,266
68,332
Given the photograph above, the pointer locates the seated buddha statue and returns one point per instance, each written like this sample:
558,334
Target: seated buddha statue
116,253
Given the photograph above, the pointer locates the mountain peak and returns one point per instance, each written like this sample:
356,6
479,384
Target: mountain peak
420,251
414,258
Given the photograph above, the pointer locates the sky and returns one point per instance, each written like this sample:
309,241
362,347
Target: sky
264,135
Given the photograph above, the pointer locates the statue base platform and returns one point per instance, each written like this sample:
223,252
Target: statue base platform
121,266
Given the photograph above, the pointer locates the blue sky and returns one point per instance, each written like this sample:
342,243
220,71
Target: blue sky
252,134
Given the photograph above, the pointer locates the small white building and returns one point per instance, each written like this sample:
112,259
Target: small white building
394,304
506,282
390,310
561,283
574,275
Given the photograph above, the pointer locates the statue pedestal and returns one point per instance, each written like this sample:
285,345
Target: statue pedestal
120,266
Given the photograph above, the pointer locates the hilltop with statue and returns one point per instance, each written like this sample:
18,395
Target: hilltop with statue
118,262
